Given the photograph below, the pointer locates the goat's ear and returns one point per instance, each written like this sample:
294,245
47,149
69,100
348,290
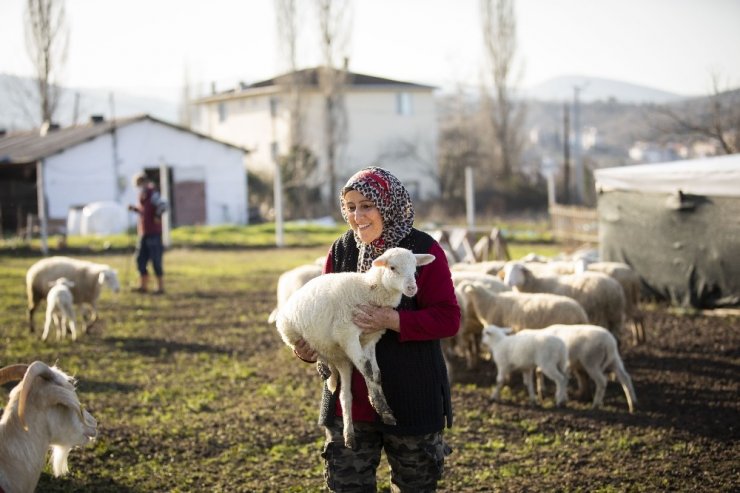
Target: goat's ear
70,284
424,258
52,283
507,330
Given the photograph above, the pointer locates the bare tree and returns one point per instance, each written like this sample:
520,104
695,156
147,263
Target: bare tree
334,23
499,35
288,27
47,40
719,120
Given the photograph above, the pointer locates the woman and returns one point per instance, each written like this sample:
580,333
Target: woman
379,211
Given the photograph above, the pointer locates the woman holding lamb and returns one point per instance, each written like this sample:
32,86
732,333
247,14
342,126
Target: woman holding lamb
380,213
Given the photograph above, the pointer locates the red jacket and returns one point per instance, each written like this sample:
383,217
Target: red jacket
149,223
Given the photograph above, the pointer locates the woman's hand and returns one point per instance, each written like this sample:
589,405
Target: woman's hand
374,318
305,352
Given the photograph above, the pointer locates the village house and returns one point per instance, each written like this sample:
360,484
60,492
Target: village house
389,123
62,169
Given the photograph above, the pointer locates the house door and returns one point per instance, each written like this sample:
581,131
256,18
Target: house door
189,199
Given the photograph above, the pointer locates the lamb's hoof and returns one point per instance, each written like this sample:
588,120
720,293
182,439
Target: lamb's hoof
349,442
388,419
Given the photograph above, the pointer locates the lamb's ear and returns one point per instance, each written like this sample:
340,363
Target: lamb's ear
380,262
424,258
501,274
507,330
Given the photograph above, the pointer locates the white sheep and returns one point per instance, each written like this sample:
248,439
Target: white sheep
631,285
59,309
468,337
43,412
491,267
526,351
88,278
321,313
594,349
600,296
520,310
290,281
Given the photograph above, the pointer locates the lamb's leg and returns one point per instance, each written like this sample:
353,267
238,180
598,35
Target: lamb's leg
500,380
600,380
345,398
365,361
527,377
72,325
47,323
561,382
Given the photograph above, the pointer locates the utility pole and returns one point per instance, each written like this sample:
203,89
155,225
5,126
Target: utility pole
577,158
566,154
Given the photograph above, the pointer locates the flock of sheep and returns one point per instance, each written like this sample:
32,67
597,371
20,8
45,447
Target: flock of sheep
43,410
535,316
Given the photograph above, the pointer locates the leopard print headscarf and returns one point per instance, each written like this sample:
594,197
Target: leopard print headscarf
394,203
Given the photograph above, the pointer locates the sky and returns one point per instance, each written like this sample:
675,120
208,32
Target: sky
145,47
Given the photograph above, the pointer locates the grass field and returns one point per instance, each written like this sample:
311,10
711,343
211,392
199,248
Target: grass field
194,392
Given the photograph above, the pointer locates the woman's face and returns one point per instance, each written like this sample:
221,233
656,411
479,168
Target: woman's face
364,217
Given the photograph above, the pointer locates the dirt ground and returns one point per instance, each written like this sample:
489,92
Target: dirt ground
683,436
206,352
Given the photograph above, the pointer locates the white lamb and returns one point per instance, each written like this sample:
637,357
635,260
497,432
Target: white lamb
523,310
594,350
291,281
600,296
88,278
43,412
526,351
321,313
59,309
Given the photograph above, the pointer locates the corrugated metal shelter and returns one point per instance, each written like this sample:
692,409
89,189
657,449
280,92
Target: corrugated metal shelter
57,170
678,225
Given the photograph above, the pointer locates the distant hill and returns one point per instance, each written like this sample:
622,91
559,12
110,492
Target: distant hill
597,89
19,112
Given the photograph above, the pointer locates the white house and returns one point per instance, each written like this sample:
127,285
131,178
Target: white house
94,162
390,123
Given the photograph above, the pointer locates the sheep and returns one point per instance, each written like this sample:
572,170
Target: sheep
290,281
88,278
523,310
43,412
59,309
632,287
528,350
594,350
491,267
468,337
600,296
321,313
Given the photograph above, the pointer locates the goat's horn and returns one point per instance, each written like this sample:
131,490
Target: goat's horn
12,373
36,369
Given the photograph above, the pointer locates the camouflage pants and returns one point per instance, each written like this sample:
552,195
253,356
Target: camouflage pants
417,462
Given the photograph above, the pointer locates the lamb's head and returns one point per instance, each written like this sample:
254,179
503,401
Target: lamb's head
109,277
48,405
62,281
515,274
493,334
398,269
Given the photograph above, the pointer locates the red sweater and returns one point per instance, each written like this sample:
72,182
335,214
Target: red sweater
438,317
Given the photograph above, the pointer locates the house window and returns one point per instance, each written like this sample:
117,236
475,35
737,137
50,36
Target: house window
274,107
222,115
403,103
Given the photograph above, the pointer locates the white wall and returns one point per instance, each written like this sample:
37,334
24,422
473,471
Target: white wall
374,129
84,173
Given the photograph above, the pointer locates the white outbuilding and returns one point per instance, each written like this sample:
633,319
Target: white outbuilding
61,170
